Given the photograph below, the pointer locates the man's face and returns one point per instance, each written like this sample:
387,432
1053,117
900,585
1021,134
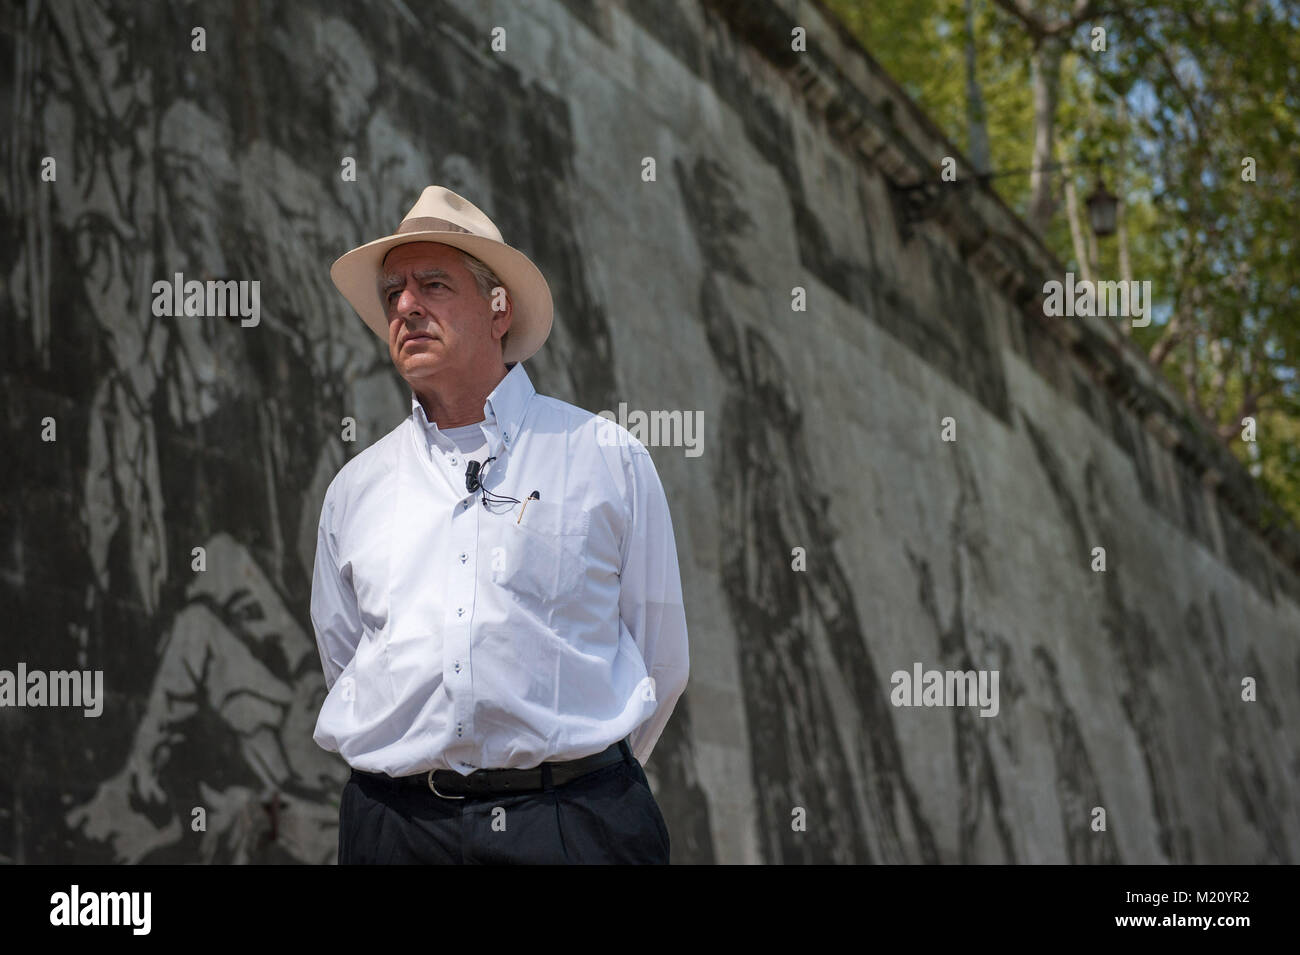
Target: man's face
439,326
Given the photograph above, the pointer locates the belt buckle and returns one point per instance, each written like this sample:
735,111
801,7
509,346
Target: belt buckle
435,789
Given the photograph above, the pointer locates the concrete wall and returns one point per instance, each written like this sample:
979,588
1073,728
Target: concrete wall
1119,689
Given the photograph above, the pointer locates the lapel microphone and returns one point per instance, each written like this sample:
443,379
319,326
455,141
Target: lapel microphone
472,483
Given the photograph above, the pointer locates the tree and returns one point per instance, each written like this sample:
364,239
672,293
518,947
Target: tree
1188,100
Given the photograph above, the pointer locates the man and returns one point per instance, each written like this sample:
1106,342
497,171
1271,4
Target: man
496,595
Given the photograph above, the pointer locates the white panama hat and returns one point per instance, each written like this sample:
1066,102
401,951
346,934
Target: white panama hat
440,215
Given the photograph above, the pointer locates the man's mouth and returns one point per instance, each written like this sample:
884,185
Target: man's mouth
417,336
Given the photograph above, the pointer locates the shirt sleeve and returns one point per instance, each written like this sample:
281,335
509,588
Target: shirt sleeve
650,599
334,612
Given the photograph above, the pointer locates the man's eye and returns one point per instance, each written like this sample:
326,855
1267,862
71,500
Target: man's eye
430,284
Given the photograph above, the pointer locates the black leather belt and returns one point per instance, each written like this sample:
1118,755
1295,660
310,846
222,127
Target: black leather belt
495,782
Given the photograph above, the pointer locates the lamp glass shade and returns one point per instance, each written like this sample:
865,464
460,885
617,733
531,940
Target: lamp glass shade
1103,208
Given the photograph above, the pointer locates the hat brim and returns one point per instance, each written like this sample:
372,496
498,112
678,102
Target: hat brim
356,276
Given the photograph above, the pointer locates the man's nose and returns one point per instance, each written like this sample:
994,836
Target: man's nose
407,303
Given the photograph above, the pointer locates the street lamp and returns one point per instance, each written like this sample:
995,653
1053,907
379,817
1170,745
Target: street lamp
1103,208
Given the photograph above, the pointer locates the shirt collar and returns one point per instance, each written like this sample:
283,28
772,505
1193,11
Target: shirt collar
503,411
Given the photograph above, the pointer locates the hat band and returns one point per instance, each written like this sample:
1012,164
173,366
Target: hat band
430,224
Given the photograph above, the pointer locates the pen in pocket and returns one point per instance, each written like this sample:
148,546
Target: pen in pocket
535,496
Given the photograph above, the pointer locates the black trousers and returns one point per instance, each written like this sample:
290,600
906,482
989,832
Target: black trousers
608,816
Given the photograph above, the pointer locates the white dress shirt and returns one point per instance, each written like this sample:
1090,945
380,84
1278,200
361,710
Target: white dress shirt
455,636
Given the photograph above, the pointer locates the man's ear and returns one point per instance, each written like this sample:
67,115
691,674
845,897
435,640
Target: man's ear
503,312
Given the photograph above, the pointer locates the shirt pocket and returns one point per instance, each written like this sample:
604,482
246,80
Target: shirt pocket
544,553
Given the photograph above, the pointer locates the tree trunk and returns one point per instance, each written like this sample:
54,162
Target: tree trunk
976,118
1125,268
1046,64
1219,382
1174,333
1191,373
1186,306
1121,226
1076,231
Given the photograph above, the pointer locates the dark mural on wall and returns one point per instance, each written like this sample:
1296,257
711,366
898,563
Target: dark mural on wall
846,774
1148,662
178,433
1251,781
1136,646
964,647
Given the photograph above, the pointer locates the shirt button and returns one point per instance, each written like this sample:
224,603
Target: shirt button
454,462
507,439
457,667
460,611
463,558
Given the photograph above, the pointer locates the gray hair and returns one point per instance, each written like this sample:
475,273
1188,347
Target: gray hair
485,279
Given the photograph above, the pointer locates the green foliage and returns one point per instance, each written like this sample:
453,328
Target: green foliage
1185,90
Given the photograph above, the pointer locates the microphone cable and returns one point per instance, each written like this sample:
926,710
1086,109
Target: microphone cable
474,483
